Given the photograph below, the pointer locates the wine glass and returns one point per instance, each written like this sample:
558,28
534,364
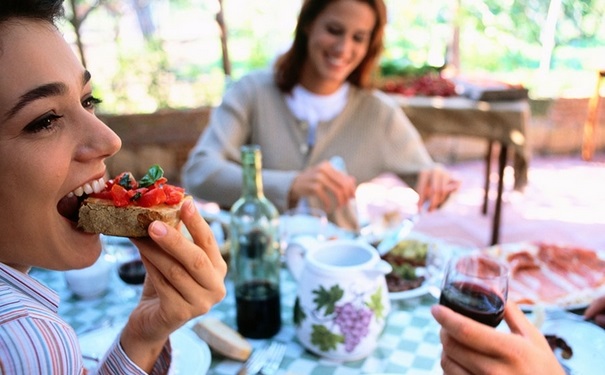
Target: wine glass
476,286
129,265
438,254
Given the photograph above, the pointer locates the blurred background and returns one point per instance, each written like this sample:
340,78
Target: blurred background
148,55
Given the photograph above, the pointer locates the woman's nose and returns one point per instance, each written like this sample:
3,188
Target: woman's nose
100,140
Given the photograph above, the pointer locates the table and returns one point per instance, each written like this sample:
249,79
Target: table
502,123
409,343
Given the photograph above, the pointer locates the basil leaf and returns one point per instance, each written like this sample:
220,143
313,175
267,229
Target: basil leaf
126,181
153,174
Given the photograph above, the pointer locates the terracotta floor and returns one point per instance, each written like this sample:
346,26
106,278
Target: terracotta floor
563,202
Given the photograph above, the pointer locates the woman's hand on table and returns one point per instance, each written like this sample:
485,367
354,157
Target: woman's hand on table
474,348
435,186
184,280
596,311
331,187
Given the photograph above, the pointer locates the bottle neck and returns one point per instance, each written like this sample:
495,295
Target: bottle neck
252,173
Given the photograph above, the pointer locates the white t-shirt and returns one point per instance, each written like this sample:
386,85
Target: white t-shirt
313,108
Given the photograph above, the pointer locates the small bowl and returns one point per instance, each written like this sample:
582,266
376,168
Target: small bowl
90,282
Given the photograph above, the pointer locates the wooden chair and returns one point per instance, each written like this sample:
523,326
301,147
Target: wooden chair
588,144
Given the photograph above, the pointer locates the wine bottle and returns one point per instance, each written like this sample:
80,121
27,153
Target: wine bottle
255,253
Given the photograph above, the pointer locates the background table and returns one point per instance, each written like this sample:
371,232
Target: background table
409,344
502,123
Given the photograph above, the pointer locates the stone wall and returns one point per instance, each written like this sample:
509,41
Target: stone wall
165,137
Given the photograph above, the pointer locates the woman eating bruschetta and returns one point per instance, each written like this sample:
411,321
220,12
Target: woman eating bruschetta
52,146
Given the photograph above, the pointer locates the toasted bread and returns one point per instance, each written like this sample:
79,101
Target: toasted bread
102,216
223,339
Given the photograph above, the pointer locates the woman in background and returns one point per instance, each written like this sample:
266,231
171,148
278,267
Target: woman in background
316,104
52,144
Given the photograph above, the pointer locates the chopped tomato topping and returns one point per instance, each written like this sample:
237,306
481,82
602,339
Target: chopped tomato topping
125,190
174,194
152,197
120,196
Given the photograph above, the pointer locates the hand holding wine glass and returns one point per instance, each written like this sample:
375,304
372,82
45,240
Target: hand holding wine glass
476,286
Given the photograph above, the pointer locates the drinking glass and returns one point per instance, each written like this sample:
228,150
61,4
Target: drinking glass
128,264
476,285
302,221
439,252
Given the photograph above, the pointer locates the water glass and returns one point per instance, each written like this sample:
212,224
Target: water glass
302,221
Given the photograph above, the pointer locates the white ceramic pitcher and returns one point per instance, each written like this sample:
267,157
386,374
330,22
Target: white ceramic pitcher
342,300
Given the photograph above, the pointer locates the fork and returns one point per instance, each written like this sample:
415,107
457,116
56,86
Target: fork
254,364
275,354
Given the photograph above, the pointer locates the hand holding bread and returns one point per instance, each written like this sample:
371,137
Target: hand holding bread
185,277
184,280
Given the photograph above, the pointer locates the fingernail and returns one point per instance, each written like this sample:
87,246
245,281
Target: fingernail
158,228
190,206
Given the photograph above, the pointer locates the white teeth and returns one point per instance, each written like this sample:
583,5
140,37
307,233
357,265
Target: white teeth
88,188
335,61
98,185
79,191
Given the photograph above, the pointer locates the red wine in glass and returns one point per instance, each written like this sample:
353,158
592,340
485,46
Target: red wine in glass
474,301
132,272
476,286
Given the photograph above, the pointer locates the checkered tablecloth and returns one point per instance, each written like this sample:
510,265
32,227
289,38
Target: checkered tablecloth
409,344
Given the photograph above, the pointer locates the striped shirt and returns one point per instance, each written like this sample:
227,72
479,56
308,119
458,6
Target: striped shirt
35,340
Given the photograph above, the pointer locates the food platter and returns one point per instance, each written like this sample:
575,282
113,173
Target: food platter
586,340
437,252
552,275
412,293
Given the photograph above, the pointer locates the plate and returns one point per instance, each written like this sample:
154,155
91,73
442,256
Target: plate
409,294
577,296
190,354
586,340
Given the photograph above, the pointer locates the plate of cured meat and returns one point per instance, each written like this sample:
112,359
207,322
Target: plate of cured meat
552,275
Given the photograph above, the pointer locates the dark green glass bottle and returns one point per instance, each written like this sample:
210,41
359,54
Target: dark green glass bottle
255,253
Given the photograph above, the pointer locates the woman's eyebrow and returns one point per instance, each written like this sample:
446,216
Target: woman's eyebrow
44,91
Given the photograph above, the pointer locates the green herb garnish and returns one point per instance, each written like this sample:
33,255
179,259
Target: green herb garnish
153,174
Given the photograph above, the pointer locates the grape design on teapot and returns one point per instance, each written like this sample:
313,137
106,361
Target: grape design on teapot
344,322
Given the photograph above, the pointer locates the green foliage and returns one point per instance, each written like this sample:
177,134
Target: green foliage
299,314
324,339
180,65
327,298
375,304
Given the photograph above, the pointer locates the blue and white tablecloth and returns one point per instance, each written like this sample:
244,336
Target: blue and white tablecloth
409,344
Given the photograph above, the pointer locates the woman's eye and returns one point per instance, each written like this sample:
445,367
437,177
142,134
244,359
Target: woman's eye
45,122
91,102
360,38
334,30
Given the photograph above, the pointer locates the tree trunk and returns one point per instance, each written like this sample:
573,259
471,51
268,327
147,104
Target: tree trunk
77,24
220,19
548,35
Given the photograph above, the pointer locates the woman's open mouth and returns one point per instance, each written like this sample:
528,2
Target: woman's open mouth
69,205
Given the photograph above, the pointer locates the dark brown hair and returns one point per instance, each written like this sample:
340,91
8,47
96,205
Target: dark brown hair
46,10
43,10
288,66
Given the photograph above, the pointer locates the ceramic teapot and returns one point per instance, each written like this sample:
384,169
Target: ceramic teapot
342,300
